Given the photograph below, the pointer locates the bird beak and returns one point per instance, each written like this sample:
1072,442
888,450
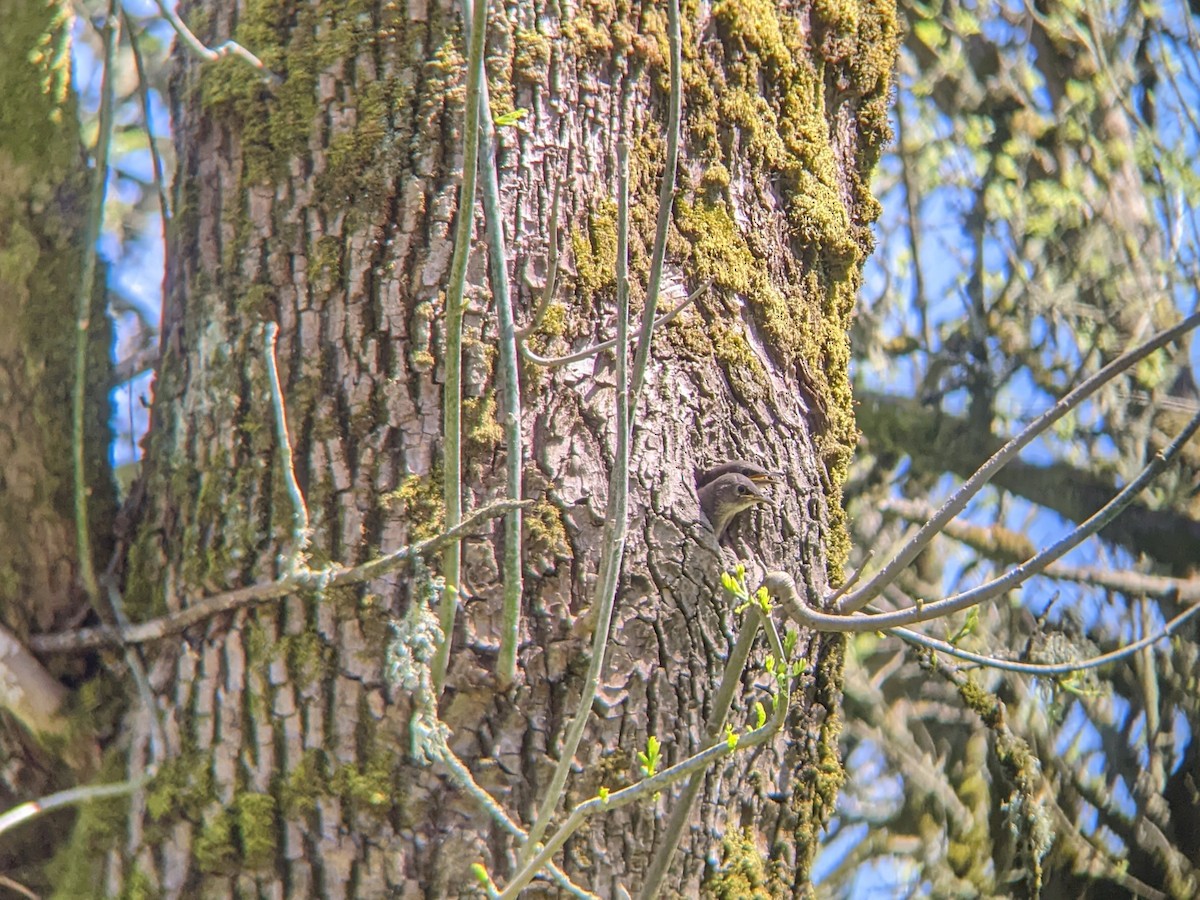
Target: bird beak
768,478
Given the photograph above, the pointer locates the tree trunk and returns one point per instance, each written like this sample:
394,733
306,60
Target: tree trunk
43,189
327,204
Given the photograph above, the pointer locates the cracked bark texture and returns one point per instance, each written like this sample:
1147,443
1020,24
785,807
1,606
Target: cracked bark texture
328,205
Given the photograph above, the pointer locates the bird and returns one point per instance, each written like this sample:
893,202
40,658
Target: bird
726,495
755,473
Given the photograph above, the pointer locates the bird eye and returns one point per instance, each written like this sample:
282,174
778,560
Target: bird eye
741,489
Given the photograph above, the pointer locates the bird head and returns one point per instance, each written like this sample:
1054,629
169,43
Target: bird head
727,495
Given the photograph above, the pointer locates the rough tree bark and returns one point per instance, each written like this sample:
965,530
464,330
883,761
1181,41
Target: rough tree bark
327,204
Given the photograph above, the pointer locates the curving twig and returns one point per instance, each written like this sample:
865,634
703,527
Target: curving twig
301,533
783,588
858,599
1047,670
539,314
923,612
228,48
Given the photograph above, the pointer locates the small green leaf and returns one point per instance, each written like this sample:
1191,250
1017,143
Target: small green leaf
968,627
651,758
479,870
929,32
511,118
762,714
769,663
603,795
731,737
763,599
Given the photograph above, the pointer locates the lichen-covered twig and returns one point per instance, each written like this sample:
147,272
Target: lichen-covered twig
206,608
452,389
510,378
413,647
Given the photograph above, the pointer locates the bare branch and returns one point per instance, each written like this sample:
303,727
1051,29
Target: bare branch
452,389
71,797
612,539
1047,669
198,47
506,663
1018,574
952,507
206,608
551,361
300,528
